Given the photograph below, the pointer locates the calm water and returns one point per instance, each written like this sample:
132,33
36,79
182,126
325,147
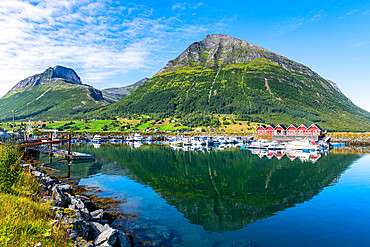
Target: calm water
233,197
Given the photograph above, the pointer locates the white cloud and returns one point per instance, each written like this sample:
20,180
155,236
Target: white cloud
348,14
366,13
96,39
184,6
297,22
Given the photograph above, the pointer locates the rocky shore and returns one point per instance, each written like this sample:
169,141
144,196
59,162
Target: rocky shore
352,139
86,224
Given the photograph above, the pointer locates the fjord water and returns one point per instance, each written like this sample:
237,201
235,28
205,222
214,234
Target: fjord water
233,197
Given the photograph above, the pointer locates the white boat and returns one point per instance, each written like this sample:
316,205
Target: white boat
208,140
261,143
186,141
197,141
221,140
96,139
82,156
302,144
176,142
138,137
275,145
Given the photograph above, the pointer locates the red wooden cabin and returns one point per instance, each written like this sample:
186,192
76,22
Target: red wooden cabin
260,130
279,130
292,130
314,129
270,130
302,130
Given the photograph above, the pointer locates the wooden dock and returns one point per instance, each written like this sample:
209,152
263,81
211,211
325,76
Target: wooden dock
39,145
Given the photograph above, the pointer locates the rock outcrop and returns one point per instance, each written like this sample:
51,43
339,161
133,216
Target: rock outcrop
87,227
48,76
220,50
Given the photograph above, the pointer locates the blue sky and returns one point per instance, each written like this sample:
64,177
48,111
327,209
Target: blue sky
116,43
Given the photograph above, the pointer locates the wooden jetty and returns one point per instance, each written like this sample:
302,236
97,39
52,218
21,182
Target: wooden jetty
35,144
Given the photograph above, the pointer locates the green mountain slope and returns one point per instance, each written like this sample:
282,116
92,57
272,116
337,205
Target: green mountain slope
223,74
55,94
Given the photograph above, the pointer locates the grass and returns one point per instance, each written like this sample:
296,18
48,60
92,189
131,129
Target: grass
24,221
164,125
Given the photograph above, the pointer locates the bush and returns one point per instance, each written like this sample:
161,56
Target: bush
10,170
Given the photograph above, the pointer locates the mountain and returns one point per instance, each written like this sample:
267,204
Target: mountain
57,93
117,93
225,75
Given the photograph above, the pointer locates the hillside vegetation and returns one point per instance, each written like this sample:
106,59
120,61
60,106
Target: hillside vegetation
24,221
57,93
259,90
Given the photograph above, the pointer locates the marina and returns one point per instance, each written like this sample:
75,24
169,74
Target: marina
186,143
227,195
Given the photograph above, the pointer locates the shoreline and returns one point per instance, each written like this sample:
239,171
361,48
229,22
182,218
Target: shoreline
88,224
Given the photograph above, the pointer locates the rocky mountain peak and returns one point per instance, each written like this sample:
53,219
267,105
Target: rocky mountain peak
66,73
48,76
219,50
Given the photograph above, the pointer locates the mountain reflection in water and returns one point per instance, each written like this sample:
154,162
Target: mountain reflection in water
221,191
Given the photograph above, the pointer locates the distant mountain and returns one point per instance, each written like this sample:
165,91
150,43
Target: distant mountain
223,74
117,93
57,93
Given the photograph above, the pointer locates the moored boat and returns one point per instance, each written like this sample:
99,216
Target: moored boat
275,145
261,143
138,137
96,138
304,144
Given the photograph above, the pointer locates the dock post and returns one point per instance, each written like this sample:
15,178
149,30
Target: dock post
69,145
51,145
69,169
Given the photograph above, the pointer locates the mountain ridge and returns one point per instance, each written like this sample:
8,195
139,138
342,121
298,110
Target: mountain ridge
56,93
225,75
116,94
48,76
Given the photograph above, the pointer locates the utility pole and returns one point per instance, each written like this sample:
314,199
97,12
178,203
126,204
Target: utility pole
14,112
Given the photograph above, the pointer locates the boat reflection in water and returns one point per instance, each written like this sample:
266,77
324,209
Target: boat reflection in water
302,155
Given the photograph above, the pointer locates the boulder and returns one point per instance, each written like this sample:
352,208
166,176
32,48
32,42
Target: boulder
82,229
49,182
97,228
65,188
110,236
37,174
79,207
97,215
59,196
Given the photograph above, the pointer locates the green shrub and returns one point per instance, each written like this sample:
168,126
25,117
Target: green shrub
9,166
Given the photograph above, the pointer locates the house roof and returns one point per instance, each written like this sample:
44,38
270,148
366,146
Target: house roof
293,125
261,126
271,125
316,125
303,125
282,126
